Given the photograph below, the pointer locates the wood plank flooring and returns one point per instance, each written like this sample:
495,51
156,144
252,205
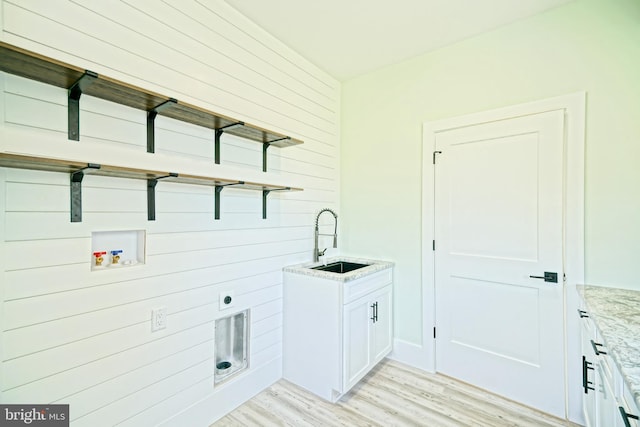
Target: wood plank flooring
392,394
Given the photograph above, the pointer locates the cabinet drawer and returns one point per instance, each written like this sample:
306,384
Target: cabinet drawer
596,349
360,287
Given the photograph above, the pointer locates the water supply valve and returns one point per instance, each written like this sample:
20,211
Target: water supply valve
98,258
115,256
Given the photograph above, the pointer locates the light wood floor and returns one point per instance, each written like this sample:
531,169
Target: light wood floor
392,394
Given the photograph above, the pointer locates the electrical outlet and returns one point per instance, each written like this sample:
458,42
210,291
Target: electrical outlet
158,318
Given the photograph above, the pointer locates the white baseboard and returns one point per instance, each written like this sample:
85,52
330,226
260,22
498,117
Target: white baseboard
411,354
227,397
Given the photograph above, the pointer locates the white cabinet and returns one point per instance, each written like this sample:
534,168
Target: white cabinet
606,400
335,331
606,405
628,411
587,331
367,334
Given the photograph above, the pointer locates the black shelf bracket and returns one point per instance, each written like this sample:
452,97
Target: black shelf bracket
73,104
265,146
216,201
265,193
151,194
76,191
151,119
219,133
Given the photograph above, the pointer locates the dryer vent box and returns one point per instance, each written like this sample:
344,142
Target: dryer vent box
231,345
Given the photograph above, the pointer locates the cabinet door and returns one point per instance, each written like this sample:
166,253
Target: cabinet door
588,373
356,341
382,329
618,421
628,404
625,419
606,404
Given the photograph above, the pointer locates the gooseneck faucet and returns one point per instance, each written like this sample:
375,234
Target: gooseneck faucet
316,252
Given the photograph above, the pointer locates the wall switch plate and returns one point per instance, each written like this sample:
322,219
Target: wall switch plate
226,300
158,318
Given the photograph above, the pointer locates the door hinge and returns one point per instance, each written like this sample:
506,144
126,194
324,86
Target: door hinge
434,156
434,332
434,245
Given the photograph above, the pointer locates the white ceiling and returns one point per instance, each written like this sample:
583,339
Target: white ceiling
347,38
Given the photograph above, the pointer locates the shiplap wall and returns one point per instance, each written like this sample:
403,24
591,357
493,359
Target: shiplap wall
70,335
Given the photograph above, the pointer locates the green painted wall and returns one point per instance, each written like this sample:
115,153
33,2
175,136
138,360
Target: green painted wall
590,45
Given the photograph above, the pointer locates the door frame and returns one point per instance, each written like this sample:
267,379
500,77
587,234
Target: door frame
574,107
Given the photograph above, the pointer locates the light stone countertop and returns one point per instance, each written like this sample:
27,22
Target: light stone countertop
616,313
307,268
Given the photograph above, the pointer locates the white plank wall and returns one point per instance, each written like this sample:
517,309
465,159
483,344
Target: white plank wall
70,335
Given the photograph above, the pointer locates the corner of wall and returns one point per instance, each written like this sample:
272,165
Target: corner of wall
2,222
2,268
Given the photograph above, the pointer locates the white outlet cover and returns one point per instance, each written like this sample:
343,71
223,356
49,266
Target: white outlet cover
223,295
158,318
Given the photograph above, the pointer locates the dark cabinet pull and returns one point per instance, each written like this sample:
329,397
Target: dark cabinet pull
374,312
586,366
625,416
596,350
582,314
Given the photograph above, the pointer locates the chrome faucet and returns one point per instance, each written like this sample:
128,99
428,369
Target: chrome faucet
316,252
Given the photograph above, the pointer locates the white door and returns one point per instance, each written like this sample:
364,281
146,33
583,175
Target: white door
498,203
